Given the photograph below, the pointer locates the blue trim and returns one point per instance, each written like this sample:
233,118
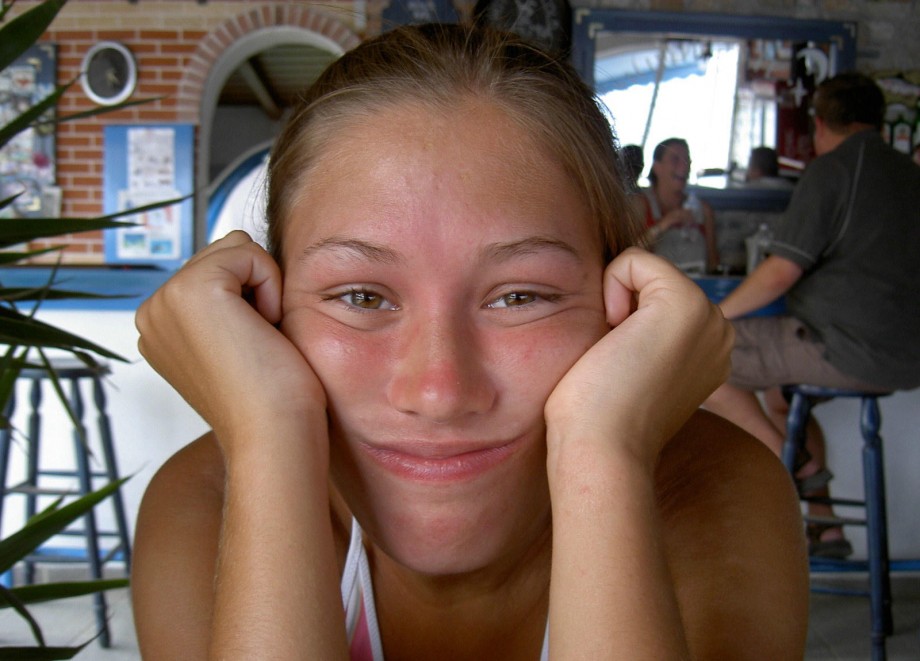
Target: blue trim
132,283
717,287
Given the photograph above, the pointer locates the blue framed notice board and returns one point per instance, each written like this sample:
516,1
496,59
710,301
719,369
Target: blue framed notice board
143,165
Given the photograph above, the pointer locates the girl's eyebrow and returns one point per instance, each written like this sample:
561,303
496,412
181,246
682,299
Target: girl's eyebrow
357,247
498,252
527,246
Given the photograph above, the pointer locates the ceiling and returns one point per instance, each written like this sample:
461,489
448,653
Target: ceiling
273,78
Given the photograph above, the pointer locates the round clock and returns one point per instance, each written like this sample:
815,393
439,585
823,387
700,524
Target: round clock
109,73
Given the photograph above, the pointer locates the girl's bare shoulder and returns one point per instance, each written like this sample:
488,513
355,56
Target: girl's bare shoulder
734,539
188,492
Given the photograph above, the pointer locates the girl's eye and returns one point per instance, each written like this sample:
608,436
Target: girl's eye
513,299
366,300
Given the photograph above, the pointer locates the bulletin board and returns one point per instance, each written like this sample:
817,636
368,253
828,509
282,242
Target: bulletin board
27,165
144,165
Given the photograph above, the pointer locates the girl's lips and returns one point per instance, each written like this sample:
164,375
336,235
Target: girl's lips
427,464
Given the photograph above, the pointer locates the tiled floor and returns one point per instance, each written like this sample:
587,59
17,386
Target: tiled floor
838,629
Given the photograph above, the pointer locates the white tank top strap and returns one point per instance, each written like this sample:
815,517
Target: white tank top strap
358,600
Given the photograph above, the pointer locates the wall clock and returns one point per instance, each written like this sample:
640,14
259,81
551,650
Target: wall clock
109,73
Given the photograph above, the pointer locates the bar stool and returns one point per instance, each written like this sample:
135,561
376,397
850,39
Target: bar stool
801,400
76,480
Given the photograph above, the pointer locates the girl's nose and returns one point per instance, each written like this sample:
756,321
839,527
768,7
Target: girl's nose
440,374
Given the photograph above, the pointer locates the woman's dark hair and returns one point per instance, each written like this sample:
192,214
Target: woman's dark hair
438,66
659,153
633,162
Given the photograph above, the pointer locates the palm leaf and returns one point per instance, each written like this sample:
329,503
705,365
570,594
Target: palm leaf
40,653
19,329
14,231
30,116
49,523
44,294
36,594
11,257
98,110
24,30
13,601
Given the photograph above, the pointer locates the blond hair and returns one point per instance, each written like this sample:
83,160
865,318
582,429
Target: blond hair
440,66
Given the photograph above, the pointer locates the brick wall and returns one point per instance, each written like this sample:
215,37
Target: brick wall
161,55
166,39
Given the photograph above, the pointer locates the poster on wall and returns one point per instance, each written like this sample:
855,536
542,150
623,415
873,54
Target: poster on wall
145,165
27,167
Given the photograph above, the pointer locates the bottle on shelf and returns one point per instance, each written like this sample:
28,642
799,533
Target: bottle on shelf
757,245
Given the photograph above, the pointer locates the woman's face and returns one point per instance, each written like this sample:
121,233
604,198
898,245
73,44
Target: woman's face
441,276
673,168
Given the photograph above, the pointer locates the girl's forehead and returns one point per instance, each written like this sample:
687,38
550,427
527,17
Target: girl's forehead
413,168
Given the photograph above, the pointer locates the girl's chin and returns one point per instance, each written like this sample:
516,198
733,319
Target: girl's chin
447,550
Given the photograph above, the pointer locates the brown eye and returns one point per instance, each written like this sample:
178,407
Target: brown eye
513,299
365,299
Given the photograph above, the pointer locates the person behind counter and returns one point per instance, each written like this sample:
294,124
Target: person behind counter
680,226
456,415
633,161
763,169
844,256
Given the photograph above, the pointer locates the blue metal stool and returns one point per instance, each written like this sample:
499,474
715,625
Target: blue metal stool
801,400
96,554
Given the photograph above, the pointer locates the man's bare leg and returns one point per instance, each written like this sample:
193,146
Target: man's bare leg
743,409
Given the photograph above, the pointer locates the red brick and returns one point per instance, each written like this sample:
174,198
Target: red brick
116,35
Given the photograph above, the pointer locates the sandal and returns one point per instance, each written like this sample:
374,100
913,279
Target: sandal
810,483
814,482
837,549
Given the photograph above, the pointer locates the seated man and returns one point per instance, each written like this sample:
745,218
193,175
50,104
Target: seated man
843,254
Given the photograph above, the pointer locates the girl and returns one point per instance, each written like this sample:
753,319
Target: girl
455,414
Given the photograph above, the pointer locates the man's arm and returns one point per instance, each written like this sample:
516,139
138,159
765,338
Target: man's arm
770,280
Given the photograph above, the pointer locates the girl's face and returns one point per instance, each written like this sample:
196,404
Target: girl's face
673,169
441,276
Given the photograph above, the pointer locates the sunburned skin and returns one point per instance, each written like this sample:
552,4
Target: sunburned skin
439,305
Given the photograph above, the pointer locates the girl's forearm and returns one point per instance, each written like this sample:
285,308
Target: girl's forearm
611,594
276,591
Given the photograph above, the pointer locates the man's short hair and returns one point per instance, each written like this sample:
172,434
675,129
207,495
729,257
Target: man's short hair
849,98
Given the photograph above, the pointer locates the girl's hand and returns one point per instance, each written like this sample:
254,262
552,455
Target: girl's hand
667,351
210,332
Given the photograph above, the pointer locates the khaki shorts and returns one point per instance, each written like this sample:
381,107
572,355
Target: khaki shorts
775,351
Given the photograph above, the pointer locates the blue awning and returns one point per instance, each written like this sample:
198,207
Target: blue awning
638,65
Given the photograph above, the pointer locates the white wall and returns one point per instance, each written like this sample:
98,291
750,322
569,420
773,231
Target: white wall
150,422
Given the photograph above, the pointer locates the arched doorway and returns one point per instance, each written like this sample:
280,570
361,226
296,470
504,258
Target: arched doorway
248,71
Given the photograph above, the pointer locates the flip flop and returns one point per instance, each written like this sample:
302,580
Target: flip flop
837,549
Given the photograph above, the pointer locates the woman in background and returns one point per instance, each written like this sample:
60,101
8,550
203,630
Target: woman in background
679,226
